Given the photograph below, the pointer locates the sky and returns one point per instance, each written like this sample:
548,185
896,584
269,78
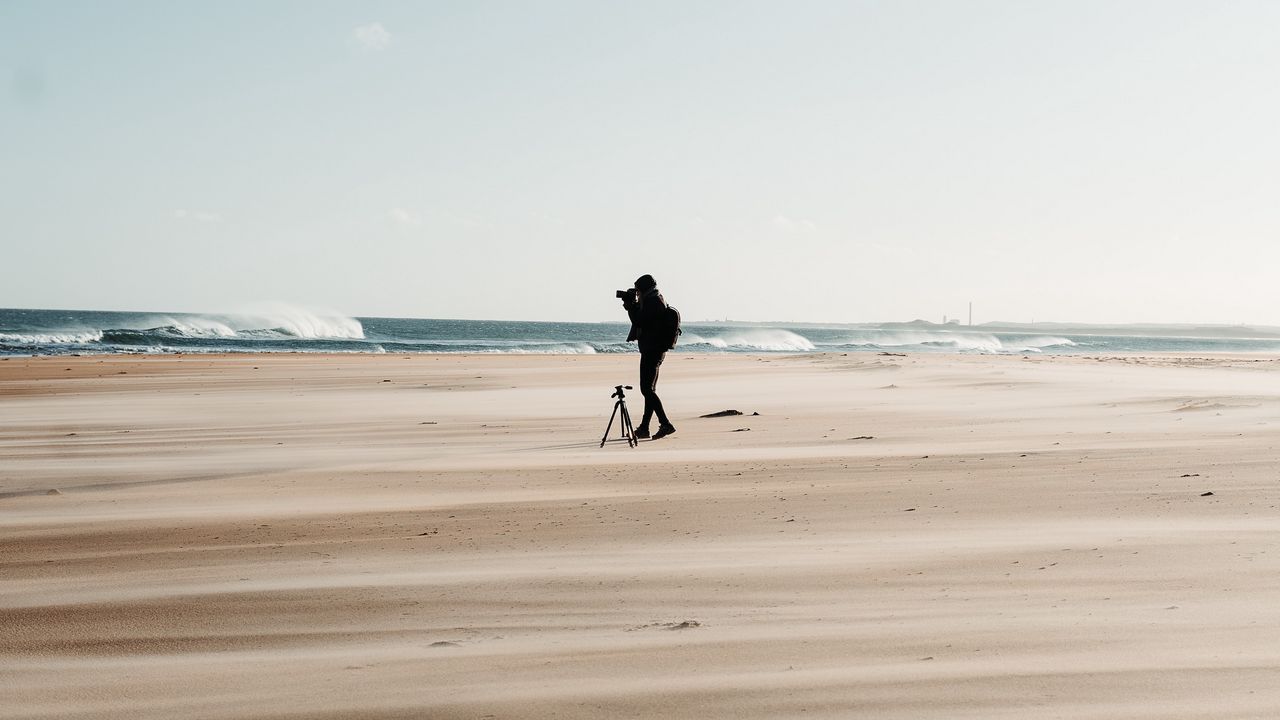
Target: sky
826,161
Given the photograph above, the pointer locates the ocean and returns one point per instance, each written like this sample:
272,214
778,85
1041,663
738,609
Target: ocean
68,332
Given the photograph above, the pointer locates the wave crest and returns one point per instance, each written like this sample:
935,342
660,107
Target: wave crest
192,326
57,338
296,322
768,339
954,340
1044,341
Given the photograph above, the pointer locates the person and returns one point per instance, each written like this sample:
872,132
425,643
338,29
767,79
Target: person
651,330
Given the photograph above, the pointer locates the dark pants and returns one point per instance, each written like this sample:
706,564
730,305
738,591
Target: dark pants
649,364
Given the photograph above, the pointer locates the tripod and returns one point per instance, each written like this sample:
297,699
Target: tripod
628,432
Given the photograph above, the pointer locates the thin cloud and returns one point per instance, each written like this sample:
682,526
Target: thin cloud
372,36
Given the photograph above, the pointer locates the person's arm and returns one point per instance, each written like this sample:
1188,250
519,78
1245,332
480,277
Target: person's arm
633,312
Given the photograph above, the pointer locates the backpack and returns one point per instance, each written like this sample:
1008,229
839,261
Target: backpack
671,324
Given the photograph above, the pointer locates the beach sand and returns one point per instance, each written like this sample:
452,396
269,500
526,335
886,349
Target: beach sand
923,536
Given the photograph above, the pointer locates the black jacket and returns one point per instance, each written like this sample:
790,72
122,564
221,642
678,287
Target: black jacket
649,323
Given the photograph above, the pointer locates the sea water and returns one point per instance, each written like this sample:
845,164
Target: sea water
64,332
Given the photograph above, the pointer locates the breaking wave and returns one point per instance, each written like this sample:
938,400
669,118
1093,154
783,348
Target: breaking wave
954,341
275,328
299,323
757,339
1045,341
56,338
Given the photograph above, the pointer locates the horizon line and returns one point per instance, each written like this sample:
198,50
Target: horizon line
915,321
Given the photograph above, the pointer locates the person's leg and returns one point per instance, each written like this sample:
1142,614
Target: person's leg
648,379
653,401
653,404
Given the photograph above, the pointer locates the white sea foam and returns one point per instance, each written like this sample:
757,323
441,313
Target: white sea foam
1044,341
905,338
966,341
265,321
769,339
955,340
555,349
992,344
194,326
297,322
58,338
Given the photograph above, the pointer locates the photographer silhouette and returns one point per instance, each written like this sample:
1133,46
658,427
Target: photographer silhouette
655,327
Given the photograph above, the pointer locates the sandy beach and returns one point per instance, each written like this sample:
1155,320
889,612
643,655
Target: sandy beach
390,536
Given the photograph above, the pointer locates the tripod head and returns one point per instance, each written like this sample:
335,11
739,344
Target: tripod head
617,391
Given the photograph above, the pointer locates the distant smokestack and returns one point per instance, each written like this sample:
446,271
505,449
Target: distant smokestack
970,313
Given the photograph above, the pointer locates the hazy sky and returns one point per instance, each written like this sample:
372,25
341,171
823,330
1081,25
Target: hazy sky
827,161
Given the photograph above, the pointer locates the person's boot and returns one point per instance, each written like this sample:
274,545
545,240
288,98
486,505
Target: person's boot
664,431
642,432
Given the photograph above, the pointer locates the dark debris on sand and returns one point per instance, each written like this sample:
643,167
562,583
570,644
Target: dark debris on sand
684,625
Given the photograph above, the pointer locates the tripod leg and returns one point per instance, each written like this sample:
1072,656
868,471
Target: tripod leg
628,430
610,425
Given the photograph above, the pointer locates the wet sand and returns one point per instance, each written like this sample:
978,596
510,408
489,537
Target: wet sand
928,536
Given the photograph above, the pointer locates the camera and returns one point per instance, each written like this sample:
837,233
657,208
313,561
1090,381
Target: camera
626,294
